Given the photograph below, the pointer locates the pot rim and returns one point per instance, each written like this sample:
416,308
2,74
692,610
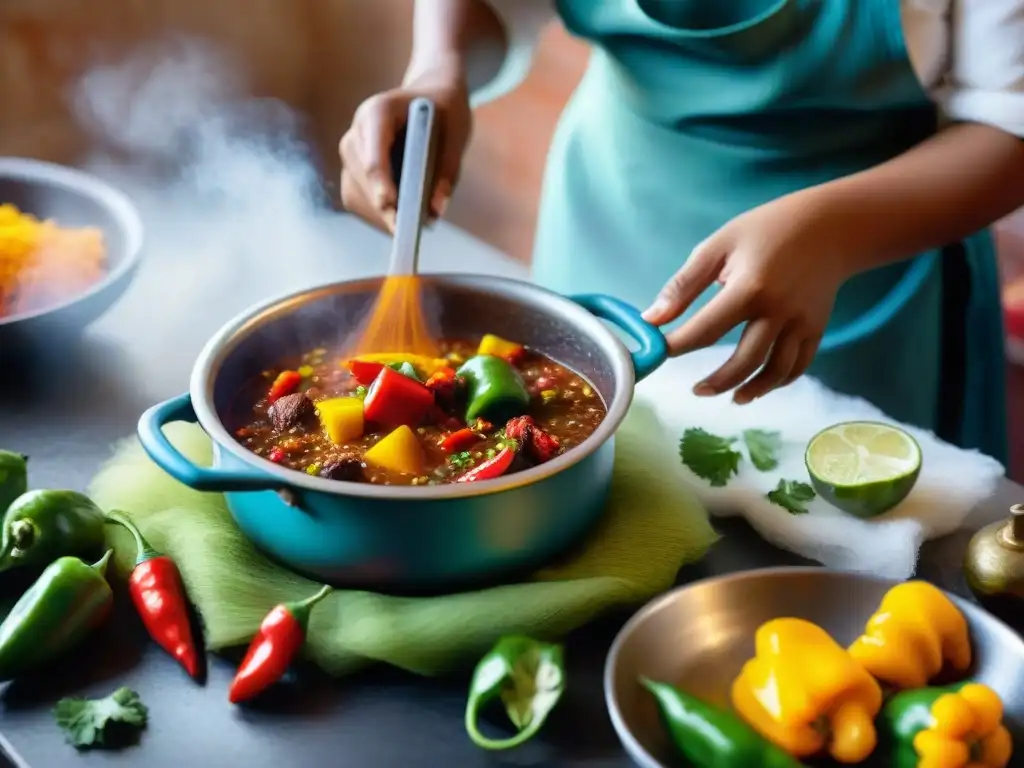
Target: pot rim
225,340
87,185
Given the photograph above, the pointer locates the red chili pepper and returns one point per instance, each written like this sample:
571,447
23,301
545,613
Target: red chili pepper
459,440
364,371
285,383
159,596
394,399
491,468
278,642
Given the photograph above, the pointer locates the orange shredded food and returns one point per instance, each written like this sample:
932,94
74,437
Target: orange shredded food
42,264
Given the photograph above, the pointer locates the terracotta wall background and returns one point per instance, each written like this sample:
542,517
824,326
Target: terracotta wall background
321,56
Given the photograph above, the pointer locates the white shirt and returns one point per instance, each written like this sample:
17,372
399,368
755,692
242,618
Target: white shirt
968,54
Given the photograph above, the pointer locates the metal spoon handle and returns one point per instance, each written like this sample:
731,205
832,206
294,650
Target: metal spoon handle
413,188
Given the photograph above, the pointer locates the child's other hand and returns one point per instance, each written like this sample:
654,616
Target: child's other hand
779,267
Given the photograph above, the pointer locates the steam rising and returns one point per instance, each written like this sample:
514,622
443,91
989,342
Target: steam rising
229,194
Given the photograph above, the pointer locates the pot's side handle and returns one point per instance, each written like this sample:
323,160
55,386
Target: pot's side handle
653,349
177,465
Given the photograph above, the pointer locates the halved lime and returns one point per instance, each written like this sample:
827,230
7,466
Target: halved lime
862,467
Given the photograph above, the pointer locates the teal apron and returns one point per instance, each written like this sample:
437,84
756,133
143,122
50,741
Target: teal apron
694,111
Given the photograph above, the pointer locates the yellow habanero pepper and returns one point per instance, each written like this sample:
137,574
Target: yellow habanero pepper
915,632
805,693
959,726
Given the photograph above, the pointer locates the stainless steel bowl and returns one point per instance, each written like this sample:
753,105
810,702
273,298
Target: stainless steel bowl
73,199
699,636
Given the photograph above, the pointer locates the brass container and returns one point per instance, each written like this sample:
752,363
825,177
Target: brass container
994,562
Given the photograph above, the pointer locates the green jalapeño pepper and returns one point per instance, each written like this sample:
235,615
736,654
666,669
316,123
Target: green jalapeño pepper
494,389
957,726
13,477
40,526
528,676
68,601
709,737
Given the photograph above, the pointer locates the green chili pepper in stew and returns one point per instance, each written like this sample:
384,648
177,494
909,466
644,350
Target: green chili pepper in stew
68,601
13,477
40,526
709,737
528,676
495,390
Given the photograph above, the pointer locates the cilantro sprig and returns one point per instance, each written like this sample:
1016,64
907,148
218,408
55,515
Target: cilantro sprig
792,495
106,722
710,457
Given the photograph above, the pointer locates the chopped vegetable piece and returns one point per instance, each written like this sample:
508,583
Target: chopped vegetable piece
399,451
276,455
791,495
445,385
459,440
495,389
394,399
406,369
364,371
915,632
306,371
341,418
709,457
425,366
491,468
710,737
87,722
763,447
159,597
529,678
13,477
499,347
279,640
285,383
805,693
959,726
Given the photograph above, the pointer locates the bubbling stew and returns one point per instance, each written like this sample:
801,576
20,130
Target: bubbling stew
477,412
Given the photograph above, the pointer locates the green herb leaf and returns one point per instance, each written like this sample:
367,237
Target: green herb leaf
792,495
360,392
89,722
461,460
763,447
709,456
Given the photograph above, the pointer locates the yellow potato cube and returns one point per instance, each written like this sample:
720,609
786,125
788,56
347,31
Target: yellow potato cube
400,452
341,418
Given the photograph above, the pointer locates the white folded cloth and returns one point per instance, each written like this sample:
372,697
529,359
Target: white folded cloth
951,483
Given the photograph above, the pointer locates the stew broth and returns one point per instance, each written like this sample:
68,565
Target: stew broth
325,416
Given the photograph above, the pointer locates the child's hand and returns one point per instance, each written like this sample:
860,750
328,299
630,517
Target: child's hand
780,268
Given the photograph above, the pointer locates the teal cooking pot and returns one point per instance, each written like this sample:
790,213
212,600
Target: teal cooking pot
403,537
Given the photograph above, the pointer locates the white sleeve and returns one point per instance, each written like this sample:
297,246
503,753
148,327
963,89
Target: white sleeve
969,55
523,21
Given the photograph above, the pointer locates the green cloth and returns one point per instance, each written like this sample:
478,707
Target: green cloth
653,527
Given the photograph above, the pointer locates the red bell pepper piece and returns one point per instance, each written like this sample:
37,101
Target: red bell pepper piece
491,468
159,597
364,371
285,383
395,399
277,643
459,440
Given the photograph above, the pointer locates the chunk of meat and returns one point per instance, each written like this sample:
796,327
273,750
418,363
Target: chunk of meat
533,441
290,411
345,467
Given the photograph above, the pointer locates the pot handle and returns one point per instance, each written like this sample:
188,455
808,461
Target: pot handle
173,462
653,347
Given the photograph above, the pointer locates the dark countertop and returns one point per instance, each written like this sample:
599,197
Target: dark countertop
66,411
